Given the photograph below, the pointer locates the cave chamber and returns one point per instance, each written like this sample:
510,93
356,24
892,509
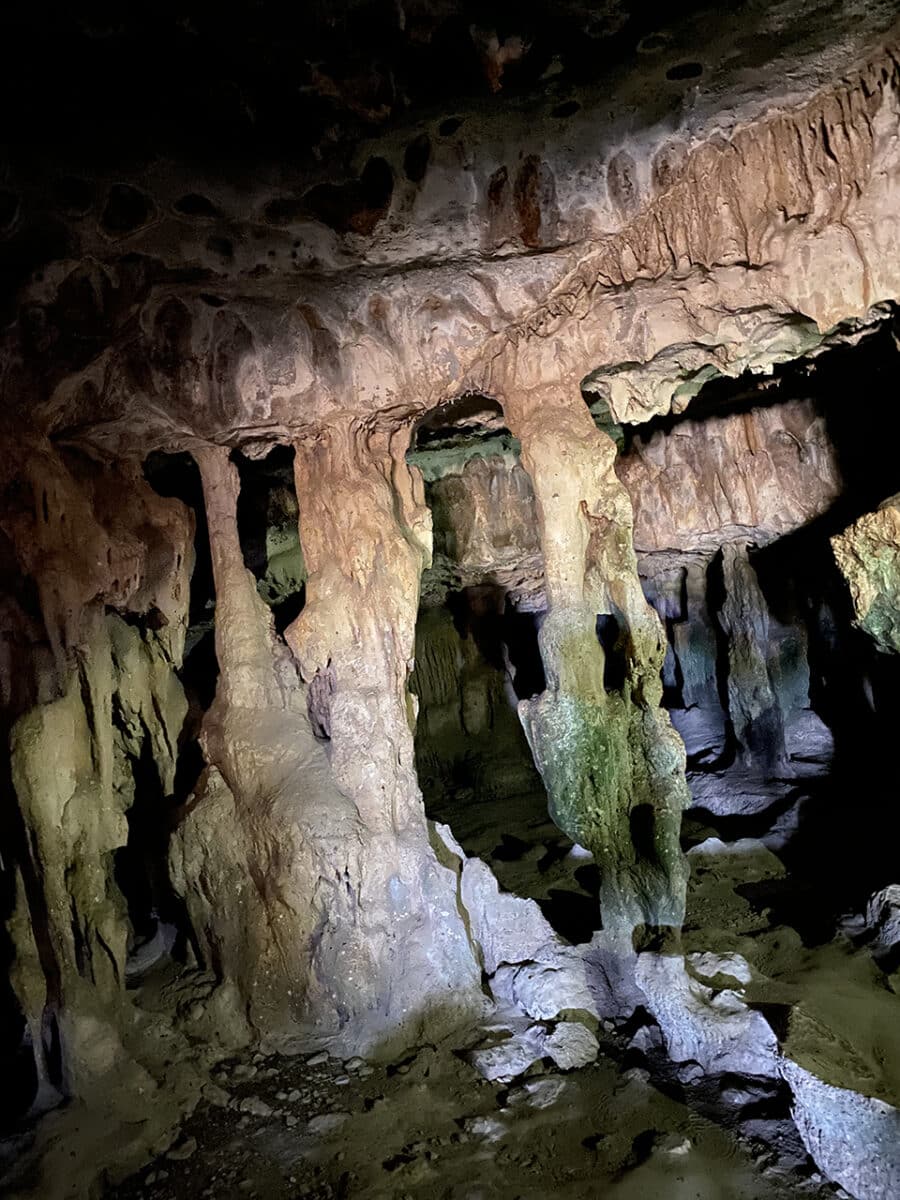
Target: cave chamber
449,578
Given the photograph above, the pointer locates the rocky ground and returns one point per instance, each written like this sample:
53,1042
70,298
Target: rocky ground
429,1126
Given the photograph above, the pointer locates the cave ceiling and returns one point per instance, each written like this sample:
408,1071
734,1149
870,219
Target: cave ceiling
226,224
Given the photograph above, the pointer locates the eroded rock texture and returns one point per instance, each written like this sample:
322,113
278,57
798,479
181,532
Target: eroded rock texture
612,766
867,556
541,277
98,740
288,846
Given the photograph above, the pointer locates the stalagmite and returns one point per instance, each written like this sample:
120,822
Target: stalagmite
753,707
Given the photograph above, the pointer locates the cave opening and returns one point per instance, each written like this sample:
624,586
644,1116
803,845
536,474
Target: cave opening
477,655
159,926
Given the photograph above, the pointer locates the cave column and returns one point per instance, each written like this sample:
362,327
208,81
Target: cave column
611,762
366,536
753,705
243,625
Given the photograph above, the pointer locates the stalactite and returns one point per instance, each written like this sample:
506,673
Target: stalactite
612,765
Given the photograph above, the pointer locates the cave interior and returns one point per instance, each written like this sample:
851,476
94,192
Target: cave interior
450,540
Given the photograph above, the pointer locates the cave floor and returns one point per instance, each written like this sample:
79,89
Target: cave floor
429,1126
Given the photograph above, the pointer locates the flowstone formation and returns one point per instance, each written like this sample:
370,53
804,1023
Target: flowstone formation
424,440
284,835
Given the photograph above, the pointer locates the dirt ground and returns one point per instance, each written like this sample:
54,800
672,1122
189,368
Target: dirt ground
430,1127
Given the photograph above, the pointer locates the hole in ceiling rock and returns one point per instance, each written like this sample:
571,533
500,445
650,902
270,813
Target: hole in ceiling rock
195,205
354,207
126,210
567,109
223,248
652,43
685,70
449,126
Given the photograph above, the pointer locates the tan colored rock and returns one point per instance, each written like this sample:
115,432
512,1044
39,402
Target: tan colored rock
868,555
304,863
366,536
486,530
754,475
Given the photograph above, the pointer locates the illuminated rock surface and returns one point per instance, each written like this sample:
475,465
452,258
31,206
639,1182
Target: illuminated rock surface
451,566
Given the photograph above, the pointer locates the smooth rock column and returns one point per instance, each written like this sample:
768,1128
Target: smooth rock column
612,764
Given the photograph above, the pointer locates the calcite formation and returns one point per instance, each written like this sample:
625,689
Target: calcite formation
612,765
480,336
867,556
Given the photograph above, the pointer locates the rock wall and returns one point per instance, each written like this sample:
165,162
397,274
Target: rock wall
866,554
109,562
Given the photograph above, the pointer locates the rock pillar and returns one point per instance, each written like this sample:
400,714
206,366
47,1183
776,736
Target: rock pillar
611,762
305,862
753,705
366,536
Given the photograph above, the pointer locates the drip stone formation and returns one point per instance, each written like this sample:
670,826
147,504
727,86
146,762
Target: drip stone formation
450,641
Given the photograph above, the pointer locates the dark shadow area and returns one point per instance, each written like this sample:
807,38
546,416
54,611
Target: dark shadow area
615,660
465,421
843,852
838,852
16,1055
267,514
25,651
158,916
